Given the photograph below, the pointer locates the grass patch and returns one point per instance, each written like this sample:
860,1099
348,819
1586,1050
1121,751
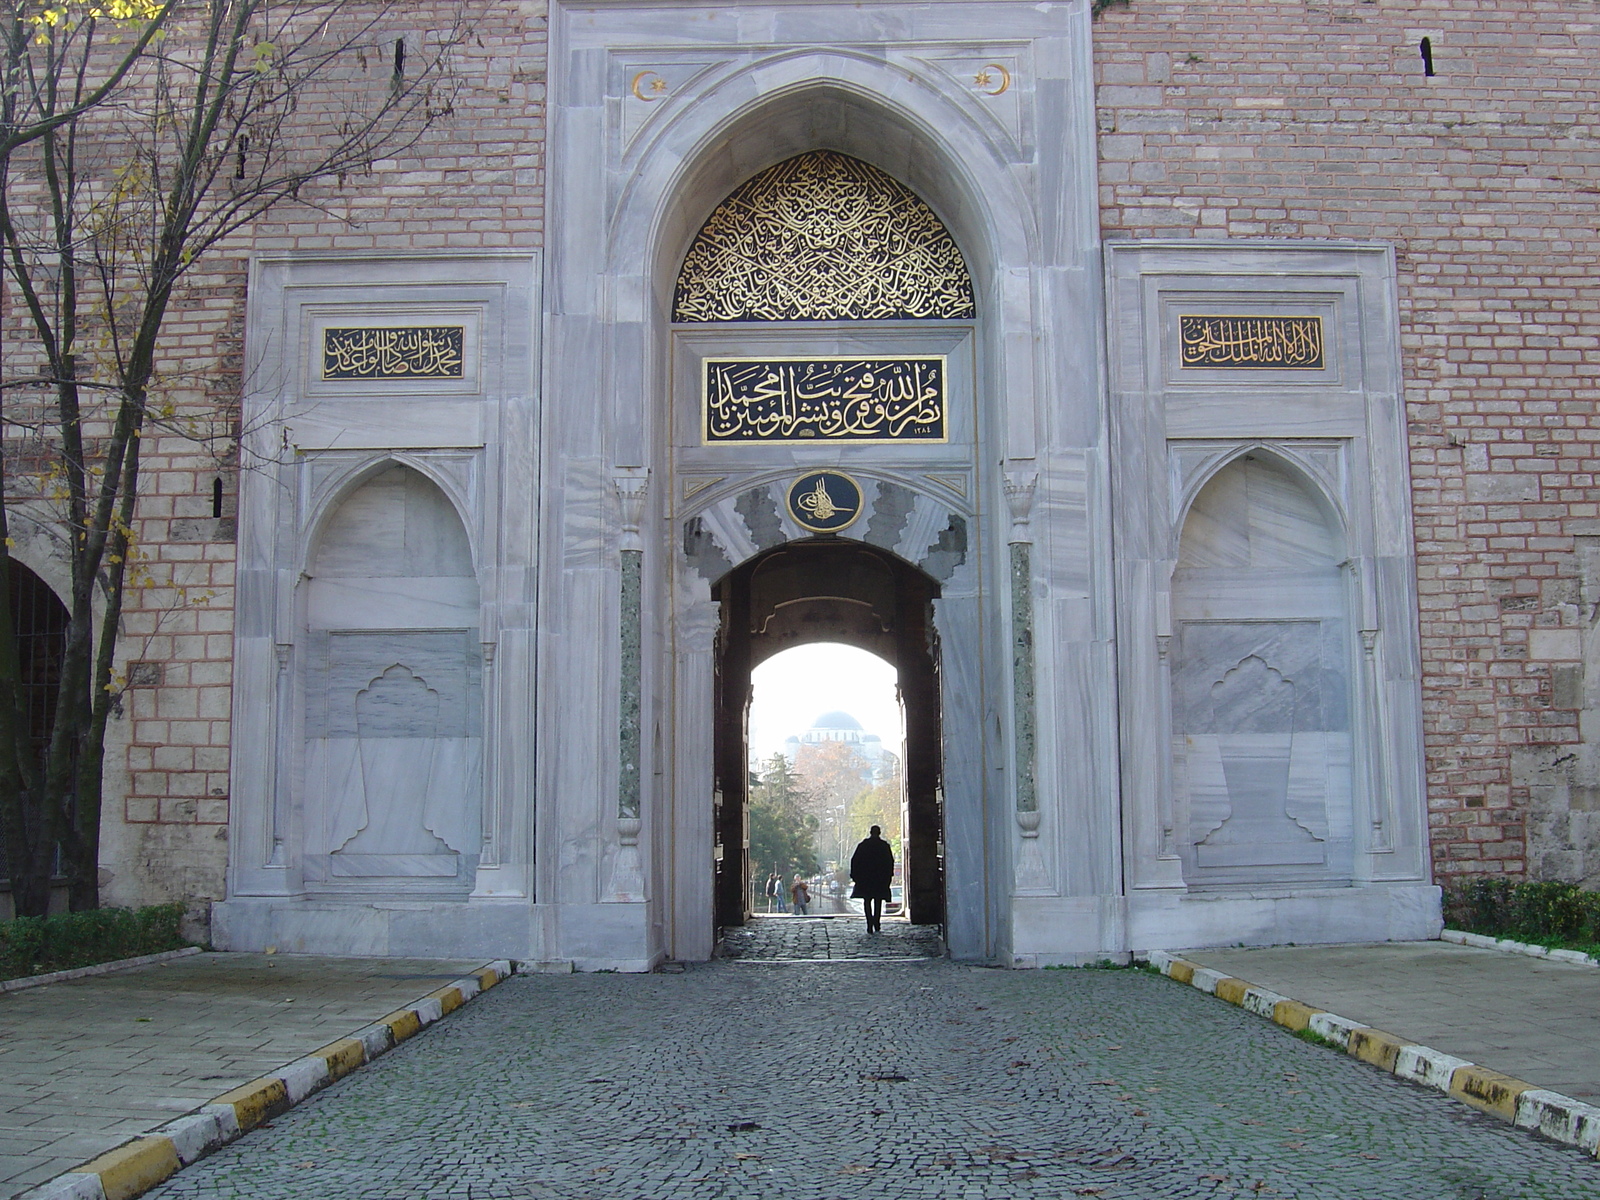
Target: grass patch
1316,1039
39,945
1561,916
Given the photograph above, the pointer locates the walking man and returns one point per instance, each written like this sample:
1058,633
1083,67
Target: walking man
872,868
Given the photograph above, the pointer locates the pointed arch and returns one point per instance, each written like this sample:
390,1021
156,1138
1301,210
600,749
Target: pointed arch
331,492
1273,458
808,100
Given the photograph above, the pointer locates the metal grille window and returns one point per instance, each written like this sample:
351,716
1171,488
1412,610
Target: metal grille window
41,630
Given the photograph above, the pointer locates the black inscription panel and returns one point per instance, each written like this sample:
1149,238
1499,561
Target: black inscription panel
394,352
1294,343
842,399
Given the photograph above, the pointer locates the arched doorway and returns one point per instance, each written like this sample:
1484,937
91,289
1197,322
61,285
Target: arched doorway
828,589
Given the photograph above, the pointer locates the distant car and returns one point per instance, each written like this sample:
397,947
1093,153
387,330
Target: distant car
892,905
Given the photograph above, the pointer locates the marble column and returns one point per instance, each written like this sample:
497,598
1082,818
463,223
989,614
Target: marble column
1031,873
627,873
692,834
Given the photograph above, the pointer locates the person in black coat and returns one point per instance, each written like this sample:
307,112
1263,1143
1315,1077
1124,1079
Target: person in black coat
872,869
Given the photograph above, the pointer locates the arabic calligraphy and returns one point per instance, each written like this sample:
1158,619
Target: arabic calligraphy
830,398
825,502
1289,342
823,237
394,352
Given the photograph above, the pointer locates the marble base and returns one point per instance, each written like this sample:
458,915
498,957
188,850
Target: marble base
409,929
1375,913
1073,931
583,937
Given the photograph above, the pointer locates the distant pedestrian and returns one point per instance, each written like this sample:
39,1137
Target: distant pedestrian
800,893
775,890
872,868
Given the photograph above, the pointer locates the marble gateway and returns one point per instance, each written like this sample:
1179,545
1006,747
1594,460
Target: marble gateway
824,343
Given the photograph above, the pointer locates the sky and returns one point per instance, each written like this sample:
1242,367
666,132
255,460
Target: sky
794,688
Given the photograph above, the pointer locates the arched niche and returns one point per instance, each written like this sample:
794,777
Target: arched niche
392,693
1261,682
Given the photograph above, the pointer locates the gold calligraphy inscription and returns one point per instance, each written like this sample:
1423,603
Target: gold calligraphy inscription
394,352
832,398
1294,343
823,237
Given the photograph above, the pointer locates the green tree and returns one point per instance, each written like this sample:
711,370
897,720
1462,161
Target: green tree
833,775
878,805
136,136
782,833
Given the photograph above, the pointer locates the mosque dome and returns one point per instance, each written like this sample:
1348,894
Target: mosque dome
836,720
834,726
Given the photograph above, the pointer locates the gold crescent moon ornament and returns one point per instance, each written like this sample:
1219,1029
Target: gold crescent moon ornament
984,79
657,87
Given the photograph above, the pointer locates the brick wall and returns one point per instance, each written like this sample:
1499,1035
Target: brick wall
1248,118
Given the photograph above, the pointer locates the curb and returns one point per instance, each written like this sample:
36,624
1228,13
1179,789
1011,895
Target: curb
105,968
1558,1117
1484,942
139,1165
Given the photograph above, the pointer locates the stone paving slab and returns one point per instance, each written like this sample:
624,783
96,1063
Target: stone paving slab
88,1063
1530,1018
918,1080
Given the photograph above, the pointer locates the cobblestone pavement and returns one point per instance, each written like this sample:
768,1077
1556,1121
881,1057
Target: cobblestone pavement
88,1063
1532,1018
792,939
831,1081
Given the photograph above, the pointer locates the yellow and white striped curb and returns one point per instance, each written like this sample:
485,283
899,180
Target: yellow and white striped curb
1484,942
1556,1116
139,1165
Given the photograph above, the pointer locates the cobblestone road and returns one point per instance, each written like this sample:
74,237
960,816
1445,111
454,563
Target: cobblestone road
829,1081
791,939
